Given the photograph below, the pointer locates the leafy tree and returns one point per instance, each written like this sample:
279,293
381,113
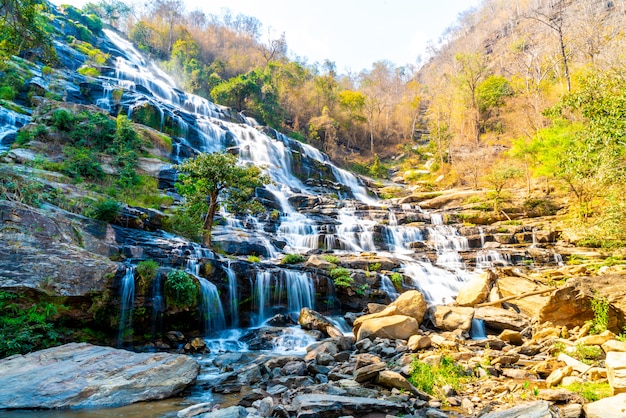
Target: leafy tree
208,176
21,29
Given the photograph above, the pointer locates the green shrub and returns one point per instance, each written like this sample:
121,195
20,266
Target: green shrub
181,290
591,391
89,71
254,259
330,258
62,120
23,137
7,93
292,259
147,272
600,308
25,328
341,277
106,210
82,162
374,267
396,279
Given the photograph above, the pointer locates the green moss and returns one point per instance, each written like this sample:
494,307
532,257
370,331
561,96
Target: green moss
292,259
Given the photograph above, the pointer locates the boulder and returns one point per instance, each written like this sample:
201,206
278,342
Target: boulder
410,303
80,375
230,412
557,376
511,337
501,319
419,342
450,318
394,327
537,409
596,339
317,262
391,379
476,290
614,345
571,305
310,319
613,407
616,371
515,285
335,405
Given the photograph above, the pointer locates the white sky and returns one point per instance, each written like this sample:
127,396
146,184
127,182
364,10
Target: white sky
352,33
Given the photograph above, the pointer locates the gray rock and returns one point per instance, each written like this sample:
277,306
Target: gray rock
87,376
334,406
232,412
539,409
613,407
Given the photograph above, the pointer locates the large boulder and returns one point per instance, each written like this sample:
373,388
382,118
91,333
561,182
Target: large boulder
515,285
335,406
613,407
501,319
571,305
476,290
394,327
80,375
450,318
409,304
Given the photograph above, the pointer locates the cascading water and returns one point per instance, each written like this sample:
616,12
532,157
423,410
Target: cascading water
10,122
127,300
282,291
232,295
157,307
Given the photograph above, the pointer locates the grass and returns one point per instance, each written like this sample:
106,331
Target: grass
432,379
591,391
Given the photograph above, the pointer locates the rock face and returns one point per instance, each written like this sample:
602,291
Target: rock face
87,376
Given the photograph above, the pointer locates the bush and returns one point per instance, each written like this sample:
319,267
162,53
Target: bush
330,258
292,259
341,277
181,290
396,279
62,120
89,71
25,329
147,271
106,210
82,162
7,93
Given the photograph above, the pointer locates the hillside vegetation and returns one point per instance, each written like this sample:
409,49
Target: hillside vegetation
517,95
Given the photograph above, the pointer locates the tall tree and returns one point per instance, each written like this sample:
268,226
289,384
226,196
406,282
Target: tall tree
205,178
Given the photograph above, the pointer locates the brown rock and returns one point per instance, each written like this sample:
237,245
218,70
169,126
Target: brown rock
395,327
512,337
368,372
614,345
450,318
558,395
373,308
613,407
419,342
501,319
513,286
316,261
313,320
597,339
557,375
476,290
546,367
411,303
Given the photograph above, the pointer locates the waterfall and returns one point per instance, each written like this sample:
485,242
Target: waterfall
211,311
286,291
232,295
477,331
157,307
127,294
10,122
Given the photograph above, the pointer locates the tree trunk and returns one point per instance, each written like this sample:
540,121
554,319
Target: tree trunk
207,226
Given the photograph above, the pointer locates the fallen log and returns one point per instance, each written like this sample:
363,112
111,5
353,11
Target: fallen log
523,295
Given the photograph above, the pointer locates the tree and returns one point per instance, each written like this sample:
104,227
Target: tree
21,29
206,176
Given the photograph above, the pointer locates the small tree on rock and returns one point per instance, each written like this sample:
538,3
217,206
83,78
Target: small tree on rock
206,176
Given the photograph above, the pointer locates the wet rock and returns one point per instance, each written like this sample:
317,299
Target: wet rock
501,319
231,412
312,320
87,376
194,410
613,407
323,405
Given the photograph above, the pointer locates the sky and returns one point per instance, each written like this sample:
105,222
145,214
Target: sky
352,33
